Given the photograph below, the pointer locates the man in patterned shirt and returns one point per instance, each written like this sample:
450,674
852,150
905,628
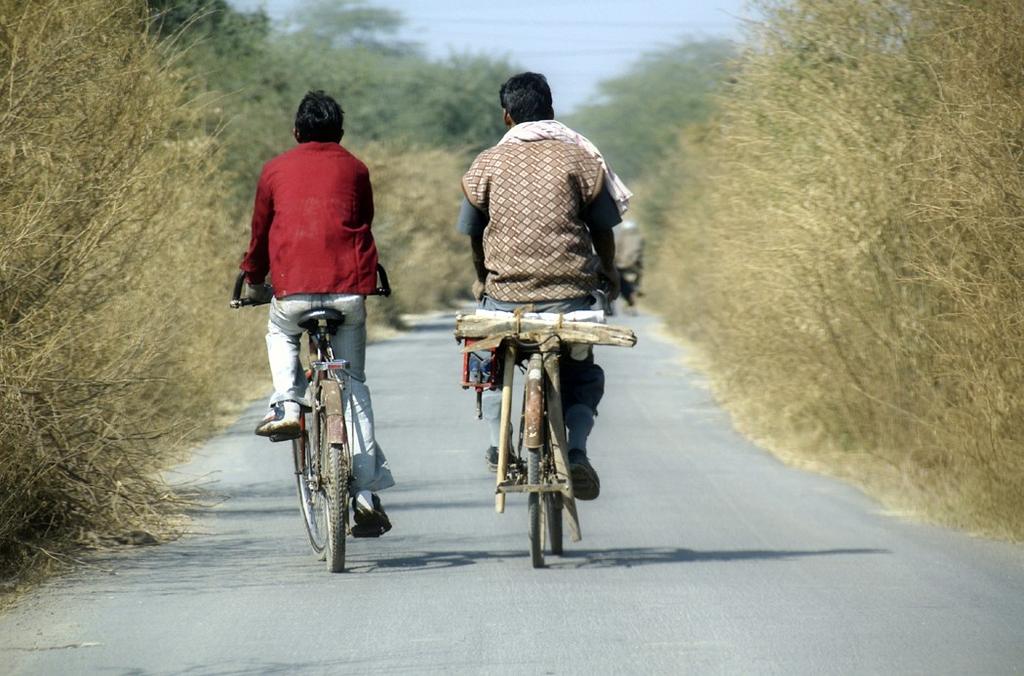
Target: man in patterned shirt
539,209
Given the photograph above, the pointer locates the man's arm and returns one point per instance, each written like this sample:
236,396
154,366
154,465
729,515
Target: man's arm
601,216
365,192
256,262
472,222
477,242
478,264
604,245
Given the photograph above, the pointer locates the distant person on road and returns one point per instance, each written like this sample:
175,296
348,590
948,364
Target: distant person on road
539,210
311,232
629,261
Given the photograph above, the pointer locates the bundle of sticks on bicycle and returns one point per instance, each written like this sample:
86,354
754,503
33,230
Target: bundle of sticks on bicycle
538,465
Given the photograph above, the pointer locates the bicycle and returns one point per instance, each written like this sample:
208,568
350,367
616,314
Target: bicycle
321,453
542,472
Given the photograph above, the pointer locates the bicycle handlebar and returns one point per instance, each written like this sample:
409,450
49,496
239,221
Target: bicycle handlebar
236,294
383,289
601,296
383,285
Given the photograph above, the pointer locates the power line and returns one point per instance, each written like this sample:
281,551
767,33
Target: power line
580,52
696,25
513,34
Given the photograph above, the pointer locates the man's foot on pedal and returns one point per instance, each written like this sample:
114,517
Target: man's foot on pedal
586,485
492,458
371,521
281,422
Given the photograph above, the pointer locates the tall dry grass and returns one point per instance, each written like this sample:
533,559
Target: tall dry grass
848,253
417,194
108,229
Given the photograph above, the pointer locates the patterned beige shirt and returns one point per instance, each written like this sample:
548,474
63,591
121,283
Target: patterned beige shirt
536,245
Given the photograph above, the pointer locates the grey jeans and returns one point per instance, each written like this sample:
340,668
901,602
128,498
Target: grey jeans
582,379
370,468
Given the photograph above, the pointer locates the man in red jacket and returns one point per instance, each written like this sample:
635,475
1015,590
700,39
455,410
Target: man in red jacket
311,230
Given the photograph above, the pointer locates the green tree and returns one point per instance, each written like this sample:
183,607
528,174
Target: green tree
350,23
213,24
390,91
638,116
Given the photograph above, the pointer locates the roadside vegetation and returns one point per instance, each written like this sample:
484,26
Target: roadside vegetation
841,243
834,211
638,115
131,136
110,232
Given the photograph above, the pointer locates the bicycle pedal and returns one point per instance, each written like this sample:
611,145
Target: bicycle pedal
283,437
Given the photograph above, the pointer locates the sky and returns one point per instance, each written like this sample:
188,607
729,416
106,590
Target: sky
575,43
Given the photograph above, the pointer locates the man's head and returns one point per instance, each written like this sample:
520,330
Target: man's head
319,118
526,98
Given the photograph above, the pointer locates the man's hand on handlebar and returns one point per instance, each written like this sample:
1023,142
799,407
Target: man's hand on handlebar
259,293
613,283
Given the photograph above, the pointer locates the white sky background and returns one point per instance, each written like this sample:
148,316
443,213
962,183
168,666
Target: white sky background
575,43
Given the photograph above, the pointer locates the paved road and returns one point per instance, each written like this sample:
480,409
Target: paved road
703,555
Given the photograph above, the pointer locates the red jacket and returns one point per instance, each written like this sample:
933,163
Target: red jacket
311,223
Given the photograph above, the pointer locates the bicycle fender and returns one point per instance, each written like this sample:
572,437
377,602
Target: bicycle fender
334,410
534,416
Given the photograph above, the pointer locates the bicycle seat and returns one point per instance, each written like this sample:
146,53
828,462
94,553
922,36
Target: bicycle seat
309,321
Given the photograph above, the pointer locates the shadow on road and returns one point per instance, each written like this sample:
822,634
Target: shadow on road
249,667
610,558
226,561
642,556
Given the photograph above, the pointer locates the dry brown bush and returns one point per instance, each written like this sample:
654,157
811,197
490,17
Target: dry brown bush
849,255
108,265
417,197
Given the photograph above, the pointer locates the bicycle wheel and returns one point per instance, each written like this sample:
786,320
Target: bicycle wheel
335,464
311,500
553,518
534,508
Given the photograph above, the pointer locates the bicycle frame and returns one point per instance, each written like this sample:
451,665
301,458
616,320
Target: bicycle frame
542,424
324,367
324,363
540,339
329,446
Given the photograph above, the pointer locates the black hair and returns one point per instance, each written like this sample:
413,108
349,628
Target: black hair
319,118
526,97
